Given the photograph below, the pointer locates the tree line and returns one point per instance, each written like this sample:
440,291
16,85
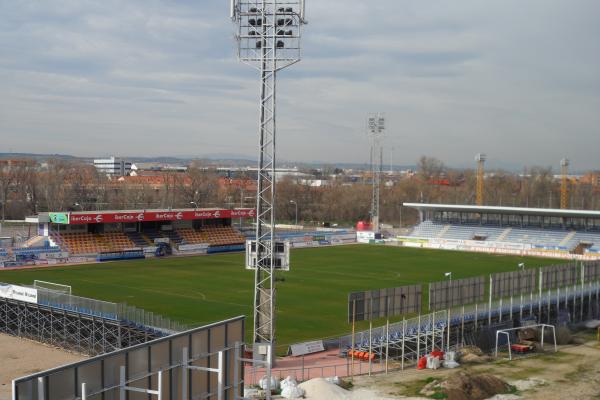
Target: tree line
26,189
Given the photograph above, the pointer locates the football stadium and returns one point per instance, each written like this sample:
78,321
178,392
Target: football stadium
144,275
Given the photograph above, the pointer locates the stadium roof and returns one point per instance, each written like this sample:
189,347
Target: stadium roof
547,212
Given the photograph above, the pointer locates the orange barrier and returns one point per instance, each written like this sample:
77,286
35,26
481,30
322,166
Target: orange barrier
361,355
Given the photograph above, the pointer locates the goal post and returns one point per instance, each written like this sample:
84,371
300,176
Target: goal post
56,287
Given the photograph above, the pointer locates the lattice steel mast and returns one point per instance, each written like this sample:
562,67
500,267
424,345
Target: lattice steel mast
480,158
564,184
376,131
268,39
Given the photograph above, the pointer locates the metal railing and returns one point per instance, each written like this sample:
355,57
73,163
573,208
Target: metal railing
108,310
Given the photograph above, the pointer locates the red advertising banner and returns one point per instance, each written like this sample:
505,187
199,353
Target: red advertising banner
150,216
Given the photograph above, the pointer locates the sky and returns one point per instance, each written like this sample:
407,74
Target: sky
517,80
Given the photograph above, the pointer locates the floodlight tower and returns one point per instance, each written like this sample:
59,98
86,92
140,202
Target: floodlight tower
480,158
564,184
376,131
268,37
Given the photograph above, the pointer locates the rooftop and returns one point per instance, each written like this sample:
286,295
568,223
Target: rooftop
548,212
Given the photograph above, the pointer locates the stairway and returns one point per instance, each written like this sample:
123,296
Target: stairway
444,230
567,238
34,241
504,234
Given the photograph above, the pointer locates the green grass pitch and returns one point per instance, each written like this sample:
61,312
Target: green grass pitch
311,301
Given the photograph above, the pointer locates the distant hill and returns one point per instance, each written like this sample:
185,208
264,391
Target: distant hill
37,157
240,160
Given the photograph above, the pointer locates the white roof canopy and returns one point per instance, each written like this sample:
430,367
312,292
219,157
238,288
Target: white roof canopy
547,212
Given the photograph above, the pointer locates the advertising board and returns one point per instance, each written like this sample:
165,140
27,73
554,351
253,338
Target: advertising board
79,218
59,218
365,236
20,293
193,247
301,349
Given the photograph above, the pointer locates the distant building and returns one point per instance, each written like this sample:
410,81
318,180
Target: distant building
113,166
9,163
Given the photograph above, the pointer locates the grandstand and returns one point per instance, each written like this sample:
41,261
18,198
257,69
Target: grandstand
552,230
94,233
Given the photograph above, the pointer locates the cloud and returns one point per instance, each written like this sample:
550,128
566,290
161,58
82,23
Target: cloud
516,80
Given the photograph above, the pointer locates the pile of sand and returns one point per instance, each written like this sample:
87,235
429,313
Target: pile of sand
529,383
320,389
472,355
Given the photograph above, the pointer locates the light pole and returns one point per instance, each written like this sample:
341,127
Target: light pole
268,37
296,204
522,266
376,131
400,209
78,205
448,275
195,205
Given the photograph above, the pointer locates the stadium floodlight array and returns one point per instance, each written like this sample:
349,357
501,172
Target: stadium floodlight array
269,32
268,38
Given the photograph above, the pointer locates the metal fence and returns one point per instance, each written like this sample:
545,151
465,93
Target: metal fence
513,283
202,363
447,294
381,303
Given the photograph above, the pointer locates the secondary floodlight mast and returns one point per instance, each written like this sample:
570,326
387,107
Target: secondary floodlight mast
268,37
564,183
480,158
376,131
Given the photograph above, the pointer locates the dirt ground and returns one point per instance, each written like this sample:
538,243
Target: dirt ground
573,372
20,357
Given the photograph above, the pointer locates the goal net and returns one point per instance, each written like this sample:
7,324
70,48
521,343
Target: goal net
56,287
